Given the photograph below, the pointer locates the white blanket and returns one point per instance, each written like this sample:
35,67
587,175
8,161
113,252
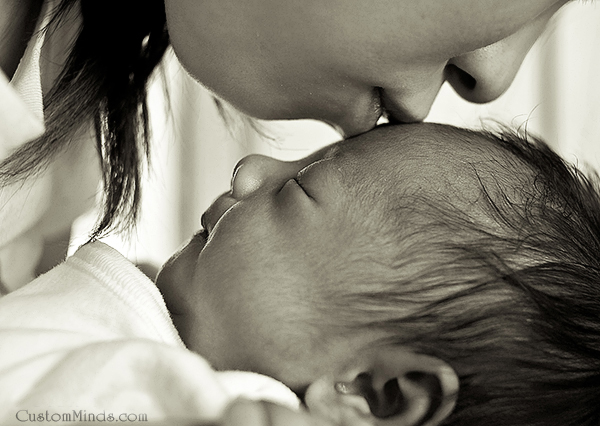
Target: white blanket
93,336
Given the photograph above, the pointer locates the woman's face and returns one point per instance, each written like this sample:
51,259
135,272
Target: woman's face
348,61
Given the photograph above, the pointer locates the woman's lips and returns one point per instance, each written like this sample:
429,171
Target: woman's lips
360,116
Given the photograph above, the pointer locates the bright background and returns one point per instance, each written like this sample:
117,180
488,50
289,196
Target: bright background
555,95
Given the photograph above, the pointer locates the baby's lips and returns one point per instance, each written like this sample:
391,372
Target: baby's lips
218,208
200,238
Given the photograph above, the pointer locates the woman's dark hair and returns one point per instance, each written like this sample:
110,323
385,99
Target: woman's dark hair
104,82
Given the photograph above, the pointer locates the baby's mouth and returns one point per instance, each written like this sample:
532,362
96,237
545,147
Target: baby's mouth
214,213
200,238
203,233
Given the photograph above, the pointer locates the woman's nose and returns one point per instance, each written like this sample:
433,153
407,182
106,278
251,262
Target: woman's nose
484,74
258,171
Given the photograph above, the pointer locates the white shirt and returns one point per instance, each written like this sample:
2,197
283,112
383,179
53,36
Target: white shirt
46,205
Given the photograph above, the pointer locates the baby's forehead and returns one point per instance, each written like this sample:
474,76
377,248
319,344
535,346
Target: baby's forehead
429,159
421,143
426,148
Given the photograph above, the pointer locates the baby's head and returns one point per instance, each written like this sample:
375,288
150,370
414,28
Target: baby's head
401,273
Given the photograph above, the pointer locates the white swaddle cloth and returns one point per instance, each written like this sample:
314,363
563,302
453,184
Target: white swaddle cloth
94,336
21,99
21,121
37,209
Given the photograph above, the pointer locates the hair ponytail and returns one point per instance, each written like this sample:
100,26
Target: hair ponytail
104,82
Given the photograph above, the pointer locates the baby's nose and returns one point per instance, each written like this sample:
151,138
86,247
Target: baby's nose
254,172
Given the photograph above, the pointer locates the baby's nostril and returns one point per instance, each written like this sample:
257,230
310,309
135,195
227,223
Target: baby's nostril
464,78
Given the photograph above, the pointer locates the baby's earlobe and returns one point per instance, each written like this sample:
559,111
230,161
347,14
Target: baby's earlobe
390,386
382,404
399,402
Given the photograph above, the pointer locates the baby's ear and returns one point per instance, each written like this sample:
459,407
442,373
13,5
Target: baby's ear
386,386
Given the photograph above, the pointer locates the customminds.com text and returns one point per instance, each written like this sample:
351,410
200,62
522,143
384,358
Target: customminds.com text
26,416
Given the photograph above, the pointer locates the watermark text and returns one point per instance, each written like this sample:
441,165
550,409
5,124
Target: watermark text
81,416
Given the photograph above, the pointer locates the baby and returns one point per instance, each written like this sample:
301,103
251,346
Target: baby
417,274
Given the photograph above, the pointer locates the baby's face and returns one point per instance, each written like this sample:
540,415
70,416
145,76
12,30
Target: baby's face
251,292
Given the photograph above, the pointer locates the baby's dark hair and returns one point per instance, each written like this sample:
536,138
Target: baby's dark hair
505,287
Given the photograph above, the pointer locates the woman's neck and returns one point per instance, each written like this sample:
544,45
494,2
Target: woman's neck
17,24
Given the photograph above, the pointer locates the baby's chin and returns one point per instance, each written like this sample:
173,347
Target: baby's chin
192,247
176,275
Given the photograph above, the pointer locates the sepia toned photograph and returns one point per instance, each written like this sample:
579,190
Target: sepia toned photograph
300,212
